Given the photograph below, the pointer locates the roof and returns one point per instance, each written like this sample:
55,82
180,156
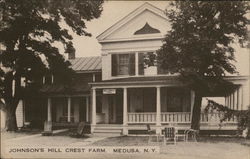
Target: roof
60,89
86,64
140,80
130,16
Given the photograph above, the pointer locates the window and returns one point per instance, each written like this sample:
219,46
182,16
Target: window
147,63
48,79
123,64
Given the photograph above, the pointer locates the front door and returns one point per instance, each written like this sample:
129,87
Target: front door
115,108
119,107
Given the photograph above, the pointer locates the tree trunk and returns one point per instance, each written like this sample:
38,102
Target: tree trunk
195,124
10,123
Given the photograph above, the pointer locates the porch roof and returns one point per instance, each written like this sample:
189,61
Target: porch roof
139,81
65,90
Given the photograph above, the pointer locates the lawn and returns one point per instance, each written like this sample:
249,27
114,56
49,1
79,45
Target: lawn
143,141
206,147
19,133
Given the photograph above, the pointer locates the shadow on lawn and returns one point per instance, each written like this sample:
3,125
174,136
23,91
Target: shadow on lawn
217,139
68,134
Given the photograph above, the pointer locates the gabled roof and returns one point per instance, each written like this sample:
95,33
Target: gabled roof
130,16
87,64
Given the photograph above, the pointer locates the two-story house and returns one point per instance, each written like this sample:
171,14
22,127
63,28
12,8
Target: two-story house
118,93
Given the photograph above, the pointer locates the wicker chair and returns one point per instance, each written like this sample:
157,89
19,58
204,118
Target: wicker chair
170,134
192,134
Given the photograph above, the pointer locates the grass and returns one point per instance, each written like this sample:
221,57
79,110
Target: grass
205,148
143,141
19,133
218,139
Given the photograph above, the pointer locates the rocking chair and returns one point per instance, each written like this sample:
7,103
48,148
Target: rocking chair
80,130
150,132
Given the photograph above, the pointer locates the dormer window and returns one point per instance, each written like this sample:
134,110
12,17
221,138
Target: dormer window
123,64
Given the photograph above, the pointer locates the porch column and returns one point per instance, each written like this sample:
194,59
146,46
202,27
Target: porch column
125,111
87,109
225,97
230,101
158,110
93,122
242,97
49,110
48,123
69,109
234,105
237,99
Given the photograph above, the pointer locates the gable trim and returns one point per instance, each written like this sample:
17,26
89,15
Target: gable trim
130,16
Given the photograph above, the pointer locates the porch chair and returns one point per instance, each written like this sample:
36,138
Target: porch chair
191,133
170,135
150,132
80,130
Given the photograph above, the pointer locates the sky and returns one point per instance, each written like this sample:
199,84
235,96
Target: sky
113,11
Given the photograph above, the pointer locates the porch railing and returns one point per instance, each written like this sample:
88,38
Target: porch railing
215,118
148,117
177,117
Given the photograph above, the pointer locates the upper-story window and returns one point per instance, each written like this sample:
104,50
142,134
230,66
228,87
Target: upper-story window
147,63
134,64
123,64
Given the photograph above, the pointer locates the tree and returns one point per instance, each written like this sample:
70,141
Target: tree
28,33
198,46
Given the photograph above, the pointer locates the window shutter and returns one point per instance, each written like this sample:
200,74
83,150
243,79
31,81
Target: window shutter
141,63
131,64
114,63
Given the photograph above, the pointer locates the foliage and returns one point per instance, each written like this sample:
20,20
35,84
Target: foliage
29,34
199,44
243,116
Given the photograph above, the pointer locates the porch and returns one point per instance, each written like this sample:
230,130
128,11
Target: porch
68,111
177,118
133,104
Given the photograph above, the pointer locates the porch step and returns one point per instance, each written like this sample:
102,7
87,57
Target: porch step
112,130
107,131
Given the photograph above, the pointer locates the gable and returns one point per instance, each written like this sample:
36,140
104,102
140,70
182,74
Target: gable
148,20
147,29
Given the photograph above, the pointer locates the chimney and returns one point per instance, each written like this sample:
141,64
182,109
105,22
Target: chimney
72,55
71,51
